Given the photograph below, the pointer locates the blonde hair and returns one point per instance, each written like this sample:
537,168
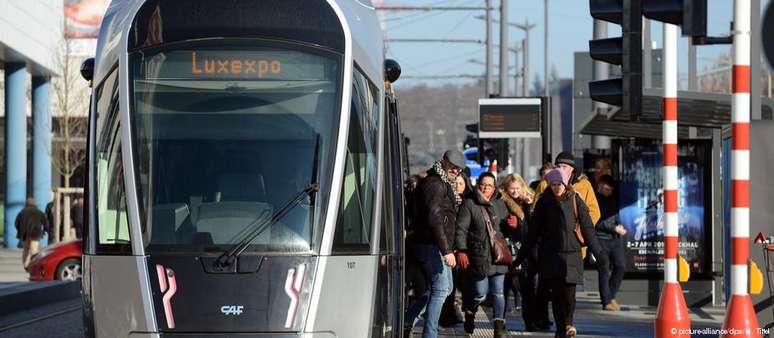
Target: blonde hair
514,177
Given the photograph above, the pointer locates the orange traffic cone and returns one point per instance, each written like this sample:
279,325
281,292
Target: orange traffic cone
741,320
672,319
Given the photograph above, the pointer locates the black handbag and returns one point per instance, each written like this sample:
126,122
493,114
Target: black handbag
501,251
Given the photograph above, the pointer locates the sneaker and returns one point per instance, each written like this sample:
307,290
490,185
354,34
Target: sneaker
609,307
615,303
470,322
570,331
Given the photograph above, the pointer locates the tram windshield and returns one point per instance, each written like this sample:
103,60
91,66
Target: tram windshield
225,136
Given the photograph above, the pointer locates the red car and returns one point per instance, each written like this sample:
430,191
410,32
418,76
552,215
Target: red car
61,261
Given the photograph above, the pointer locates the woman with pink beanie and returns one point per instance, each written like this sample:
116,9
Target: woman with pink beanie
559,248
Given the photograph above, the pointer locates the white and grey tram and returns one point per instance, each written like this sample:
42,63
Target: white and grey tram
245,170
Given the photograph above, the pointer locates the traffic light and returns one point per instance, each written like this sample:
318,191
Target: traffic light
691,15
626,51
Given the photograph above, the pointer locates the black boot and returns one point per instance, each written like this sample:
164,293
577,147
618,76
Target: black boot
499,329
470,322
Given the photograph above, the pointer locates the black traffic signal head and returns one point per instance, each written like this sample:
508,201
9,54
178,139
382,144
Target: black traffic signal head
691,15
625,51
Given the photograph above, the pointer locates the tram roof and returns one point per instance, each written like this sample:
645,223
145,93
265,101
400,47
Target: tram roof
364,31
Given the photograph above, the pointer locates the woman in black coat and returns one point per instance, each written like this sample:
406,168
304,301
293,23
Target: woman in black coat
560,264
474,254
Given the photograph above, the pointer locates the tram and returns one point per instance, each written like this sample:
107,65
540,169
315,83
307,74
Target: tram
244,172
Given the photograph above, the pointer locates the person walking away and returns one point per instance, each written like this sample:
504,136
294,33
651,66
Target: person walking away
559,247
30,227
434,219
518,198
480,213
610,233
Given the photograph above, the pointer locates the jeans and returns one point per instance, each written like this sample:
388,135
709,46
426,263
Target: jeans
439,276
479,287
610,283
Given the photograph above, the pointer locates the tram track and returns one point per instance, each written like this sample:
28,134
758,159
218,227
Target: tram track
39,318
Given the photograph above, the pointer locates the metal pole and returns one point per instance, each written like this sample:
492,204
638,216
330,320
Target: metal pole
740,314
525,66
488,73
601,72
672,319
515,91
647,47
692,80
546,91
503,48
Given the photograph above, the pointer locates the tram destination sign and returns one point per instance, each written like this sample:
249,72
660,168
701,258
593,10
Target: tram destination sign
208,64
509,117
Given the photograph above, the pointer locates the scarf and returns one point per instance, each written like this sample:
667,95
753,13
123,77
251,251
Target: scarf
438,169
513,205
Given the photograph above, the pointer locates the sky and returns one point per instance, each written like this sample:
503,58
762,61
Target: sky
570,28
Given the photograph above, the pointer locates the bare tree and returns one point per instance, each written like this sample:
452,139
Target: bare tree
71,103
70,125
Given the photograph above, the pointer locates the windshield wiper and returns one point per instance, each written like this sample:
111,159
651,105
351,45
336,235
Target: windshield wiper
228,257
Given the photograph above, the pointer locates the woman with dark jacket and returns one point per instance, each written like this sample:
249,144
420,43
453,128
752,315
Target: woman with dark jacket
474,253
560,264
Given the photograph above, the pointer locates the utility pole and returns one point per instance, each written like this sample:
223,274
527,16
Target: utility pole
525,67
503,48
546,91
518,74
526,27
488,73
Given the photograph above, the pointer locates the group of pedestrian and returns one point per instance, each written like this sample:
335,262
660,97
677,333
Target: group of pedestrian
488,240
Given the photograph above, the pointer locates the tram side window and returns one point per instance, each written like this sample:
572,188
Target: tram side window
113,225
358,191
112,221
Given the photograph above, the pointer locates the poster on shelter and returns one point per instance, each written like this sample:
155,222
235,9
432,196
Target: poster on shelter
83,18
641,204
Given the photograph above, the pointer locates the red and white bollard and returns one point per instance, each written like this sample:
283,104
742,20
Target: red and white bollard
672,319
741,320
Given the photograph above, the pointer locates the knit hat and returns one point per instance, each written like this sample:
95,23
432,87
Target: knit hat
557,175
566,158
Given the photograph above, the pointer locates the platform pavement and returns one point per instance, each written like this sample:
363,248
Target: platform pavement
591,321
11,269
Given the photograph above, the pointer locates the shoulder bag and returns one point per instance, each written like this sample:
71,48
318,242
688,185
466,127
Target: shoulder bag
577,230
501,252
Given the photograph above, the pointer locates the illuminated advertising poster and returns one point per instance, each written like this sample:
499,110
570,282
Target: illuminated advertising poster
642,209
83,18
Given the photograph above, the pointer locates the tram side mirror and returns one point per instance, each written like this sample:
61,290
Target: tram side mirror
391,70
87,69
